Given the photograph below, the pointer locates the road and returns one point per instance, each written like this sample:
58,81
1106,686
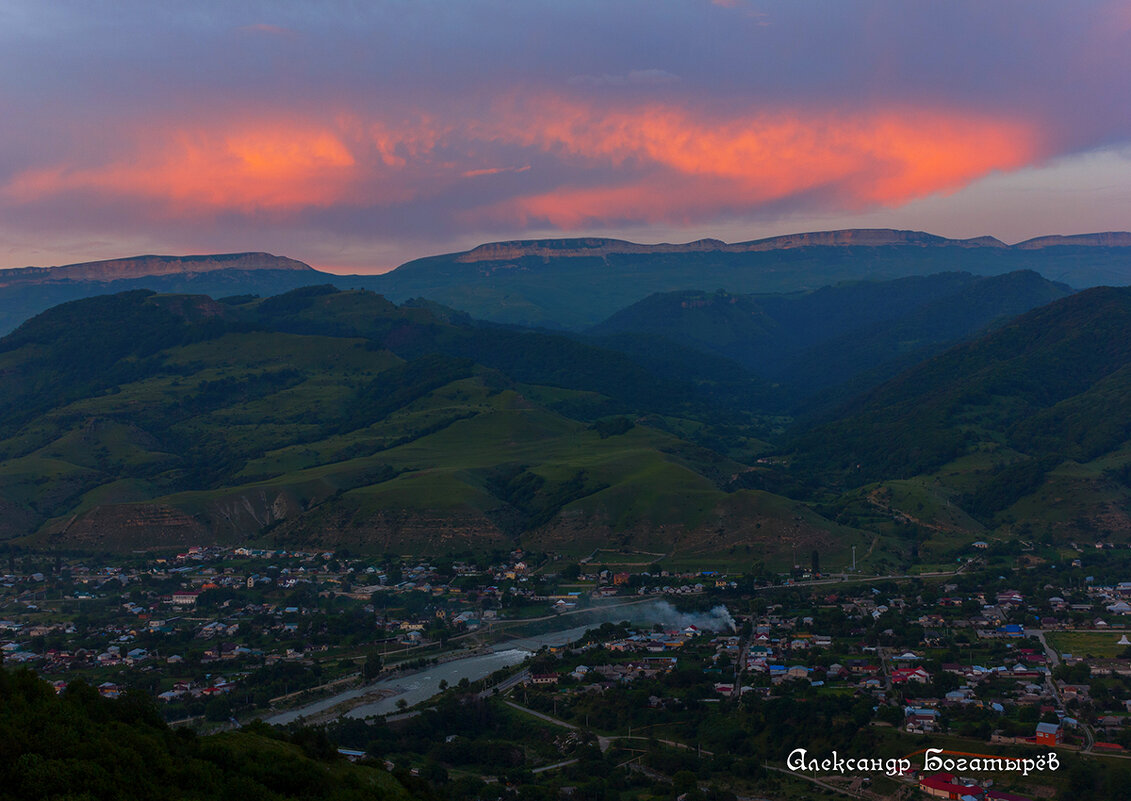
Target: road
506,683
555,766
882,653
816,781
855,578
740,665
602,740
1054,661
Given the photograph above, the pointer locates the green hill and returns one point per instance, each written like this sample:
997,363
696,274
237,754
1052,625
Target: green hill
858,332
327,417
1026,428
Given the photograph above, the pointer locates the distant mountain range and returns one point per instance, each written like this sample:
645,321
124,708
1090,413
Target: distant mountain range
849,237
577,283
25,292
572,284
147,266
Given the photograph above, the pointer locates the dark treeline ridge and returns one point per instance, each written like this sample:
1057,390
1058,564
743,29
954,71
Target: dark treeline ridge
79,745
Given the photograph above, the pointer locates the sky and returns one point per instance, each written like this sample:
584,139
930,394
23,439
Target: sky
358,135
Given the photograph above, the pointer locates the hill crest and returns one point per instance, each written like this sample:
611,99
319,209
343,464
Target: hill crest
847,237
596,246
149,265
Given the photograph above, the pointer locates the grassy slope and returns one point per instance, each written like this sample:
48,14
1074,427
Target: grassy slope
1022,433
315,436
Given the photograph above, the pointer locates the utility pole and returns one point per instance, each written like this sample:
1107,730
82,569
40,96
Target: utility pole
853,558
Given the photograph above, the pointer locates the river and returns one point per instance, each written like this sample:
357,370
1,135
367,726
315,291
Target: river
422,685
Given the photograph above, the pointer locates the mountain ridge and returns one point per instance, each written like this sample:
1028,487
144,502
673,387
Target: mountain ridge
599,246
560,247
150,265
846,237
572,284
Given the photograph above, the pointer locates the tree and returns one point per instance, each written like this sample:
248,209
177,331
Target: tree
683,781
217,709
816,562
372,667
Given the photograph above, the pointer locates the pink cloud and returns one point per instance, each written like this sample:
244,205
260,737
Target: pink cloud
673,164
647,163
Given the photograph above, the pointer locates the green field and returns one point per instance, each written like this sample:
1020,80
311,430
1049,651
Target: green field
1098,644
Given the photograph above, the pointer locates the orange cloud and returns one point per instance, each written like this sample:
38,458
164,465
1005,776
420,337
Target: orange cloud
582,163
687,165
494,171
256,168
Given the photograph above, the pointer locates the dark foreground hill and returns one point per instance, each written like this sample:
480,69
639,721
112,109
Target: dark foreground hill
80,745
322,417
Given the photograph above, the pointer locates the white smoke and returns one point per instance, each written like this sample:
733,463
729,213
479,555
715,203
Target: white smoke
718,619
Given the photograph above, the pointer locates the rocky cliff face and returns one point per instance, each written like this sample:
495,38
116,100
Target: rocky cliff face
576,248
141,266
595,247
1107,239
135,526
861,237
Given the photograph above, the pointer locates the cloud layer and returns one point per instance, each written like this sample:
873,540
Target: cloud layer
361,137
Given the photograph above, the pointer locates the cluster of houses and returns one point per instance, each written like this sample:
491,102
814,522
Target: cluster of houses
948,785
602,677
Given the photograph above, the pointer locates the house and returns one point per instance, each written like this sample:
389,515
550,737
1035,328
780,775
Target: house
942,785
185,598
544,678
920,719
1049,734
904,675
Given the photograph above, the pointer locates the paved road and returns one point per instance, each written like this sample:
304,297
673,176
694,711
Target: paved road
506,683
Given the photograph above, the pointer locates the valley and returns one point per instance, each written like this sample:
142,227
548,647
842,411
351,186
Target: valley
868,510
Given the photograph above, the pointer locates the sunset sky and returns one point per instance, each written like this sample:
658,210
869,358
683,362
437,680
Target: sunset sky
355,136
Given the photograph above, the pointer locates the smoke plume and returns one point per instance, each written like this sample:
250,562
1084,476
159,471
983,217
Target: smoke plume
718,619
